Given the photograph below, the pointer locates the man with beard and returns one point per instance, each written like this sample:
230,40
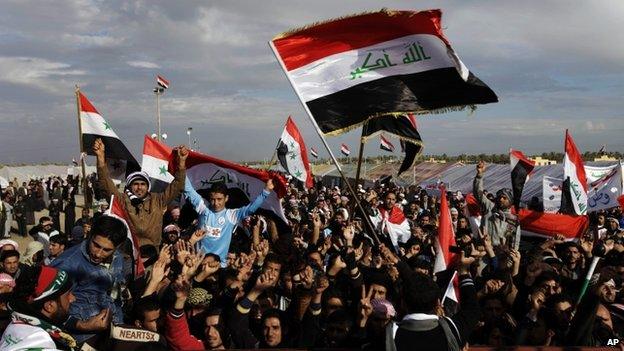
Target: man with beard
144,208
35,321
497,218
391,221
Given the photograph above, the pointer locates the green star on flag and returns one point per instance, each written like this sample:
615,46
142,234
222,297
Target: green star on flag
298,174
162,170
293,156
106,126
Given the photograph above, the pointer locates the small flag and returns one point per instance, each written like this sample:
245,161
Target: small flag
156,163
119,159
313,152
385,144
521,168
292,154
345,150
603,149
404,128
574,196
162,82
355,68
116,210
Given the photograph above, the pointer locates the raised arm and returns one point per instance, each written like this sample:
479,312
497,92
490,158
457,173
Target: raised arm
175,187
104,179
193,196
250,208
477,187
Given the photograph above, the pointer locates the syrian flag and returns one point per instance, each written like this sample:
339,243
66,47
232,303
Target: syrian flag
385,144
116,210
162,82
521,168
444,257
119,159
292,154
156,163
574,196
547,225
354,68
313,152
402,127
345,150
244,184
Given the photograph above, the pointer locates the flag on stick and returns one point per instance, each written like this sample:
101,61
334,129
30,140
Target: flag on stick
119,159
162,82
574,196
345,150
352,69
385,144
156,163
292,154
402,127
521,168
313,152
444,257
116,210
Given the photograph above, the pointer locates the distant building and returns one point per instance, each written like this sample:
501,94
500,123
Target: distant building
542,161
604,158
433,160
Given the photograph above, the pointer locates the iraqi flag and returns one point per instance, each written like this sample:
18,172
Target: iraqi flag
444,257
574,196
521,168
393,223
162,82
548,225
402,127
345,150
354,68
472,211
244,184
156,163
313,152
292,154
116,210
385,144
92,126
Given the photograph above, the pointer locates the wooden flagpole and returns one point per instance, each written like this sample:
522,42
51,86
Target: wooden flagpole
367,220
82,151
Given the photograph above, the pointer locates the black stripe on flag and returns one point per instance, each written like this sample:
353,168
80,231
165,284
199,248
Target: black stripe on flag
518,177
114,148
282,151
436,90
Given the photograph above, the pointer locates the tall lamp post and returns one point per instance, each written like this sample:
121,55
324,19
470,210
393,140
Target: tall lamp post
188,132
158,91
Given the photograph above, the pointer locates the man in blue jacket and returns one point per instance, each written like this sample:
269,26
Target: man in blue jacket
217,221
96,267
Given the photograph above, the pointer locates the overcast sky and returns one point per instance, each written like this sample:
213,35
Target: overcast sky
553,64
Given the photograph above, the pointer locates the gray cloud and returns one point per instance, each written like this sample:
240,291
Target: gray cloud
554,65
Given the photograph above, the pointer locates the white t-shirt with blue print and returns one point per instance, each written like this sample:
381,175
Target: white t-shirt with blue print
219,226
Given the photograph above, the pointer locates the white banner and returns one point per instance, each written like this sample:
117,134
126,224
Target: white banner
593,173
551,193
603,192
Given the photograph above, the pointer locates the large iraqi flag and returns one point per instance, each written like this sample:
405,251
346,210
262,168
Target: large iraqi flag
119,159
354,68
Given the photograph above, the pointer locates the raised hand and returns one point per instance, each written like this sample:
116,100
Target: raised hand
492,286
197,236
99,148
265,280
182,152
365,308
183,250
193,261
480,168
159,271
165,254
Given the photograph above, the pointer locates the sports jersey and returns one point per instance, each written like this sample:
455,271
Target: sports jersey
219,226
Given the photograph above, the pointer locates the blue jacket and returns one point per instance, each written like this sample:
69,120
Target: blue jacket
93,283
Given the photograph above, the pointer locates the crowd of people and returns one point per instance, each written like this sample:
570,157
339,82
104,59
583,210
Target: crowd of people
331,277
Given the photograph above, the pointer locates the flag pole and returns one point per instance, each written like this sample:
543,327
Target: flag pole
331,154
360,154
157,91
82,159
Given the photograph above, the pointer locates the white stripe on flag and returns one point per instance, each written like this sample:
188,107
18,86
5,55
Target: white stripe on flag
383,59
93,123
578,194
156,168
295,165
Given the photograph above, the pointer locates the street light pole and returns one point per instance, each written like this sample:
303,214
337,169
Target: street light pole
188,132
158,91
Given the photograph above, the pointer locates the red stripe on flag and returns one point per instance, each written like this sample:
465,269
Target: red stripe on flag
155,149
162,81
551,224
446,237
85,104
575,156
310,44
